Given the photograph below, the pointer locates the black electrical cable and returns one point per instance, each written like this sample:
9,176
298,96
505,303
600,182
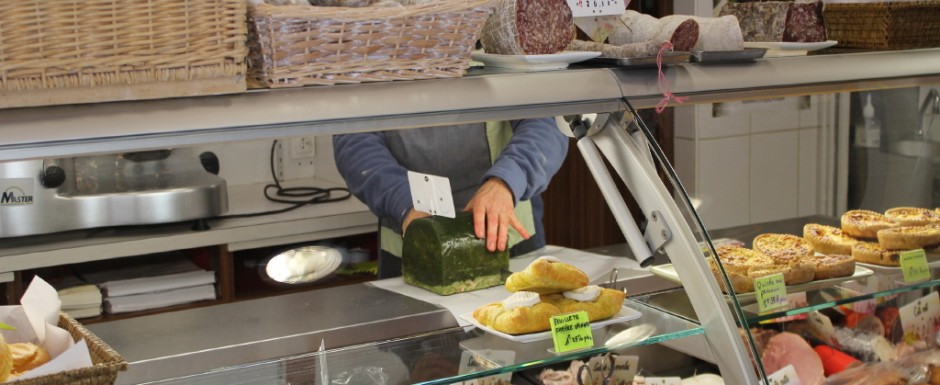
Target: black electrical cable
297,197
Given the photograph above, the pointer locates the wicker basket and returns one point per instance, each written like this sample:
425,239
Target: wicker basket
107,363
884,25
76,51
296,45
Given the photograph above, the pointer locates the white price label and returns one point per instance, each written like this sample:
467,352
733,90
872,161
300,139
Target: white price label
431,194
472,362
919,318
785,376
582,8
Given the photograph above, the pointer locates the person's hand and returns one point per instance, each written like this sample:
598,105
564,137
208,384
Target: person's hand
492,208
411,216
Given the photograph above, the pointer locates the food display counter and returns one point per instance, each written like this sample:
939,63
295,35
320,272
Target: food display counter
277,339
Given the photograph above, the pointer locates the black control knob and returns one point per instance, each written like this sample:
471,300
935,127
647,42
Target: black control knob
210,162
52,177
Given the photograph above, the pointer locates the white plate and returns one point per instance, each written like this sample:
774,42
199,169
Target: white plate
534,62
668,271
625,314
785,48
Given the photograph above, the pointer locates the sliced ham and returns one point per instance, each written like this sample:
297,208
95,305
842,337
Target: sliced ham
790,349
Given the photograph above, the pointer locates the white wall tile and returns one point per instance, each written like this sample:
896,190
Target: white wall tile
774,176
685,121
773,114
722,184
685,164
809,172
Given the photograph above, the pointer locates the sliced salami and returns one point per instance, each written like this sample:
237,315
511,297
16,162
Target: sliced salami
779,20
528,27
805,23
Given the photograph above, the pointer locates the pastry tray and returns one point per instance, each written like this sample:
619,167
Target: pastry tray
668,271
744,55
648,61
625,314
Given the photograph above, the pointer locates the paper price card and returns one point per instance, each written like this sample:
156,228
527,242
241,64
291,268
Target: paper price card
431,194
582,8
771,293
919,319
572,331
785,376
478,361
662,381
822,326
623,371
914,266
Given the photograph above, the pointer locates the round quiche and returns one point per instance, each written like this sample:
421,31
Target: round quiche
869,252
827,239
740,260
784,249
793,274
913,216
833,265
865,223
909,237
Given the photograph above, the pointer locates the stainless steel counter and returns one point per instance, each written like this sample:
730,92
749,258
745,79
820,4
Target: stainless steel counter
199,340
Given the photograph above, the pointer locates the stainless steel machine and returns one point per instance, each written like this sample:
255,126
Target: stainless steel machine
162,186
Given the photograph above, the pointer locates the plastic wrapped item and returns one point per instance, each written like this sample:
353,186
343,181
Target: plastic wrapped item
368,375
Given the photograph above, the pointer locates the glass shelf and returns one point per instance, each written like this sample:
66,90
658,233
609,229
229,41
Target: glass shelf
434,358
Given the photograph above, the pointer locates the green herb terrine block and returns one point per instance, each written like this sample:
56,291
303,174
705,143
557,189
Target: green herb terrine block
442,255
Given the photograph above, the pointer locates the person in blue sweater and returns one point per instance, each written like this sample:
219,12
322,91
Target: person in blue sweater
497,171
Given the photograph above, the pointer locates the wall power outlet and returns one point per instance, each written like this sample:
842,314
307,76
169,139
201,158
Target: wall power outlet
296,158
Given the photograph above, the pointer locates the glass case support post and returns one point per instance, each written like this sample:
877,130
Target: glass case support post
634,167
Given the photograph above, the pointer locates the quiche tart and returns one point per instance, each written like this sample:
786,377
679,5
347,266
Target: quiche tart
784,249
833,265
910,237
740,260
793,274
739,282
827,239
913,216
869,252
865,223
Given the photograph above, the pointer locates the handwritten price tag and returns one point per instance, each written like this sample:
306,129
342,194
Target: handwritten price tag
771,293
919,318
914,266
785,376
582,8
572,331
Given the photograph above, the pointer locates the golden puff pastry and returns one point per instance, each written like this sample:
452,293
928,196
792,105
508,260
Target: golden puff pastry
509,319
6,360
547,275
607,303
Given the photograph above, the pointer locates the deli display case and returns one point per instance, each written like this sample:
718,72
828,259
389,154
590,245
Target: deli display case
776,178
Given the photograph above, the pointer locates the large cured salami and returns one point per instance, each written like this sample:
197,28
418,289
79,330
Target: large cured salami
779,20
528,27
714,33
682,32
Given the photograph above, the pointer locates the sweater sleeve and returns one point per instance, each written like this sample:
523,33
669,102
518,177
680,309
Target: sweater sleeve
373,174
533,155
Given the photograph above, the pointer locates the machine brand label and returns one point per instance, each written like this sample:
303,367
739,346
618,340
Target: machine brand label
16,192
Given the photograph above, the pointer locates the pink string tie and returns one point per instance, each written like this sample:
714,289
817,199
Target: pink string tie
663,83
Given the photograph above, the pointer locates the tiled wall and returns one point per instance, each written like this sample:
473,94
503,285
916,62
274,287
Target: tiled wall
751,162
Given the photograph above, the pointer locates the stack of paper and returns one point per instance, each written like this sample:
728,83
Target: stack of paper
81,301
154,292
